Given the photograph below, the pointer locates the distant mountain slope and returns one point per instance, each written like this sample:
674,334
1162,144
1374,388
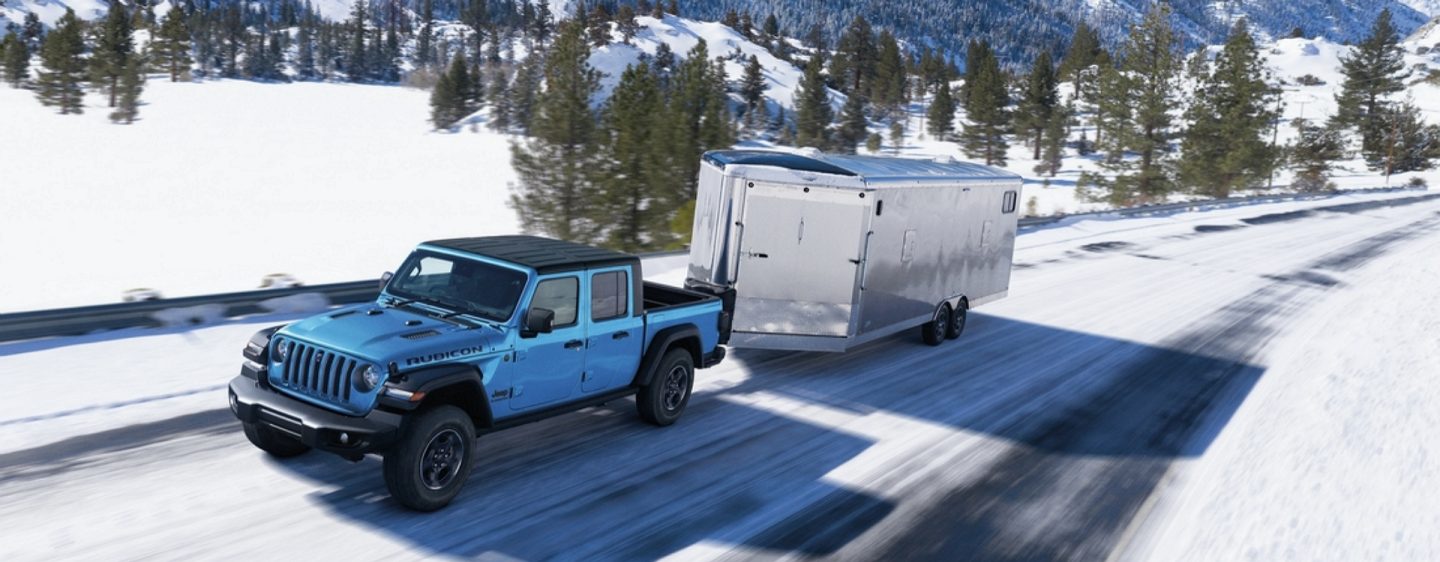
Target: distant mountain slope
1021,28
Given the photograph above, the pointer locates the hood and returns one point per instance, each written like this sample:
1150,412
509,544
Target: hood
403,336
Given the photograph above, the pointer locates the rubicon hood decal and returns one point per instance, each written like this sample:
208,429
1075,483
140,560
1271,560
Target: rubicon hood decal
442,356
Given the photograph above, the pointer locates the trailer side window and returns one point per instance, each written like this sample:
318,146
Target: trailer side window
1010,197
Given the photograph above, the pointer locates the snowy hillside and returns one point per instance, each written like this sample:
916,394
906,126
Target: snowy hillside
681,35
327,182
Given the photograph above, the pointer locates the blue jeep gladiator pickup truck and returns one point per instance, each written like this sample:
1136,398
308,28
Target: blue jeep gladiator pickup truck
470,336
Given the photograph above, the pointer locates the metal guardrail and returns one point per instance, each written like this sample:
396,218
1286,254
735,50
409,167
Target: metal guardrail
1210,204
148,314
87,319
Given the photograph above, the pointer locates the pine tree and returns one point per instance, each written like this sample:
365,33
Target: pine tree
887,92
497,90
171,46
631,198
1311,157
305,52
986,117
1225,149
235,37
852,130
1146,86
940,118
390,56
1374,71
358,57
897,135
752,84
114,47
872,143
62,68
1053,146
1033,116
443,102
853,67
130,86
32,31
17,60
1084,53
543,24
524,91
625,21
424,52
1409,144
813,113
556,166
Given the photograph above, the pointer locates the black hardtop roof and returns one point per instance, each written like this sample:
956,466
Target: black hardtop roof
544,255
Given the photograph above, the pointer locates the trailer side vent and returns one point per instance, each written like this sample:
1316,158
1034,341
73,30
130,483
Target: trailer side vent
1009,206
879,207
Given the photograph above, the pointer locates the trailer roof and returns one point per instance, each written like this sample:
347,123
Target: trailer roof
869,168
544,255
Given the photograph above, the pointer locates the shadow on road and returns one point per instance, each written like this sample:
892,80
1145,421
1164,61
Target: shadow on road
598,484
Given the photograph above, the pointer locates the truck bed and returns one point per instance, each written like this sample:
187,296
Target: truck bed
659,296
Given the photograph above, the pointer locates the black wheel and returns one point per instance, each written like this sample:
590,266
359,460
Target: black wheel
957,320
431,461
277,444
663,400
933,332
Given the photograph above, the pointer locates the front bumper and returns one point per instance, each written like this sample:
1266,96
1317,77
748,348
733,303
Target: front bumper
348,436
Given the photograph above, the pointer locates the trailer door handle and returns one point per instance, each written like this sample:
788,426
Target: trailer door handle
574,344
760,255
620,335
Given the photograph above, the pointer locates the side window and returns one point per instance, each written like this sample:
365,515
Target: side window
1009,206
608,295
560,295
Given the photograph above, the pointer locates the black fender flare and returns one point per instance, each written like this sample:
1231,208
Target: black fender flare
437,381
665,339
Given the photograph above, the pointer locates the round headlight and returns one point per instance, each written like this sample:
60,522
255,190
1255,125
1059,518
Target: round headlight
280,350
367,378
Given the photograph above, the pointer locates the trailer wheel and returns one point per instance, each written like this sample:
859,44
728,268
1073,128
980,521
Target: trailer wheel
957,320
934,331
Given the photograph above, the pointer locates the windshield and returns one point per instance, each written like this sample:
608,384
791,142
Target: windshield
487,291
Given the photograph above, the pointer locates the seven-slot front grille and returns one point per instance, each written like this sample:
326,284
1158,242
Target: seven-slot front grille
317,372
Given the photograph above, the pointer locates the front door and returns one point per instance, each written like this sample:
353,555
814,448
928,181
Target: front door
617,333
548,366
799,257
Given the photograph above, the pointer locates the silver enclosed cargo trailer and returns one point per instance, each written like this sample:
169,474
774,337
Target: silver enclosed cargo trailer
824,252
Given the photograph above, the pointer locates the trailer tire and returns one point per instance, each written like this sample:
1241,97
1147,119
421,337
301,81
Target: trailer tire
663,400
431,461
272,442
935,331
957,320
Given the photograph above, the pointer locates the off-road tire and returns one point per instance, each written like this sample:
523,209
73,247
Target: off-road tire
934,331
437,437
957,320
663,400
277,444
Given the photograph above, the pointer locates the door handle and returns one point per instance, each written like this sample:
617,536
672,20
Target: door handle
620,335
574,344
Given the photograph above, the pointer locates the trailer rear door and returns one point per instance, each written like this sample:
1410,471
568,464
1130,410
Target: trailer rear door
799,258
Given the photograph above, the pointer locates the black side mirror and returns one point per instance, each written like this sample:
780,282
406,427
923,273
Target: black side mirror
385,278
538,321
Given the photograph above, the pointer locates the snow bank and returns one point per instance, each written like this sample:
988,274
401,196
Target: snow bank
1333,455
221,183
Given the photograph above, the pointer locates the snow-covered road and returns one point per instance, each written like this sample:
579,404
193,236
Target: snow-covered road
1074,420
